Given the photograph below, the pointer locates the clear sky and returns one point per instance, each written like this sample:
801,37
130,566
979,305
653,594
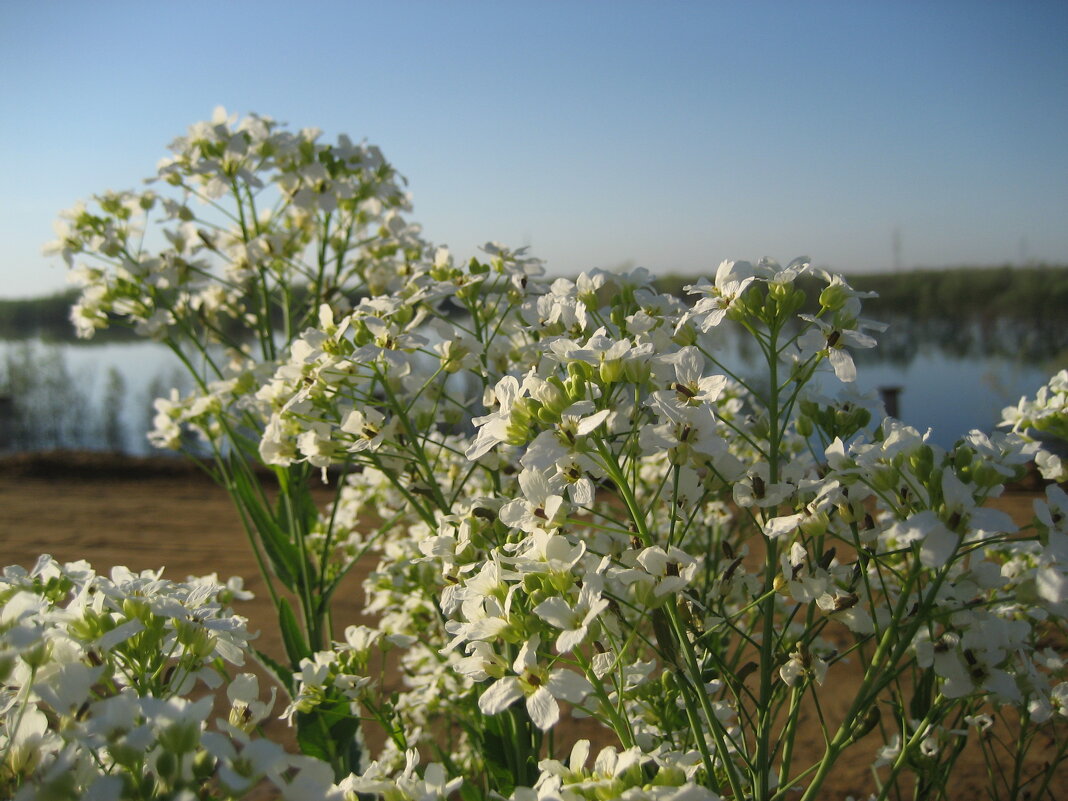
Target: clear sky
669,135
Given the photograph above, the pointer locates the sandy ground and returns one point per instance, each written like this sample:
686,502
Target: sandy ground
152,514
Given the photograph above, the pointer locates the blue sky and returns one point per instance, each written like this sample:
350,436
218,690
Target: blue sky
669,135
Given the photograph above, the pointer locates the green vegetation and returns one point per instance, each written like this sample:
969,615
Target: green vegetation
46,318
990,310
957,292
966,311
1018,293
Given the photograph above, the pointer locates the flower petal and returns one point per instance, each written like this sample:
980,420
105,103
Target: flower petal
500,695
543,709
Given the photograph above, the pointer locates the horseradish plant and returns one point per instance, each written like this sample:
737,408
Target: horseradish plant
581,506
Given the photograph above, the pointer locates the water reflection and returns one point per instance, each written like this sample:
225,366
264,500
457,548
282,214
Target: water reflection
1035,342
952,377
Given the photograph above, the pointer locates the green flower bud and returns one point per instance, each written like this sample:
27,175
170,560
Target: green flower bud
669,776
780,292
203,765
547,416
576,386
404,315
884,479
962,457
198,642
636,371
518,430
579,371
610,371
558,398
523,411
986,476
815,525
167,767
793,302
770,312
686,335
135,608
38,655
667,681
922,462
560,582
834,297
468,293
181,737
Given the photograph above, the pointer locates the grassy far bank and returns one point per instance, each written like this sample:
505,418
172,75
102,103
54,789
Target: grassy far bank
1011,312
1037,295
47,318
1038,292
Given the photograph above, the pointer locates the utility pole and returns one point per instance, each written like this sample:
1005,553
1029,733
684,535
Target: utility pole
895,245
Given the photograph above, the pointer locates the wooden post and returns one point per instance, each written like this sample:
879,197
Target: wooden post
889,396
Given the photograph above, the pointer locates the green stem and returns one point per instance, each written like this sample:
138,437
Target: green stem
771,566
312,616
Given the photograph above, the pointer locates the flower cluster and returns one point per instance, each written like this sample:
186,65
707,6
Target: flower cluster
108,687
579,505
1047,417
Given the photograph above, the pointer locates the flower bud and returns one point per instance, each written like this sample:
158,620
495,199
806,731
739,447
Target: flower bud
167,767
610,371
180,737
547,416
922,461
38,655
962,457
834,297
636,371
578,371
986,476
196,639
815,525
135,608
780,292
556,397
685,336
884,479
793,303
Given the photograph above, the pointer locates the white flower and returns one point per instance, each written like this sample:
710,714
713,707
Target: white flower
494,428
832,339
540,509
247,711
573,621
540,687
732,279
801,665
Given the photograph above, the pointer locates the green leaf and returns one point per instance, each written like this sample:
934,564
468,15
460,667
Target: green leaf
281,672
330,732
292,637
313,736
282,553
923,695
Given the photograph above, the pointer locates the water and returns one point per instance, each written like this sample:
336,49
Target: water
88,396
951,395
947,392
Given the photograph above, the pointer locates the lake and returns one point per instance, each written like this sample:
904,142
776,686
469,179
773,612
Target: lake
99,396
